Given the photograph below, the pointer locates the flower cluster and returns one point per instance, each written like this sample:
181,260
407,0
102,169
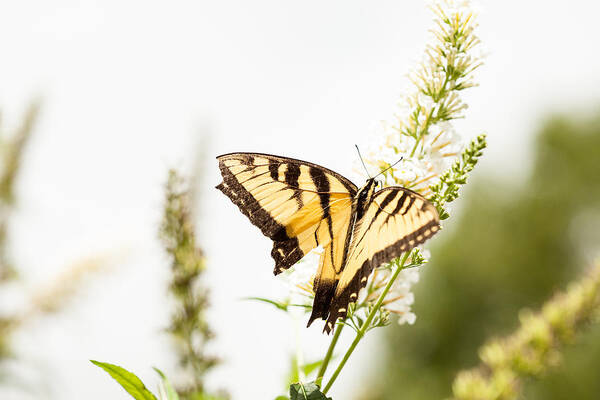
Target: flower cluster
446,188
421,132
415,172
399,298
434,159
535,346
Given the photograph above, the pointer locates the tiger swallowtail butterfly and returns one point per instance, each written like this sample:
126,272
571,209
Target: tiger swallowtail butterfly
300,205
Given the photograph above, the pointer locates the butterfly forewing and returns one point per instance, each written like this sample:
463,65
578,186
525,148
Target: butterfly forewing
299,205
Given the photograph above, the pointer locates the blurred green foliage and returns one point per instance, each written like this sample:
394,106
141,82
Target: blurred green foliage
50,297
189,327
12,144
512,247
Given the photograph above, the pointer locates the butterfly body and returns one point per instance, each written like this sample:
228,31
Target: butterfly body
364,197
300,205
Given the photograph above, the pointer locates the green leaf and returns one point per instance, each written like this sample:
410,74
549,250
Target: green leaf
306,391
131,383
310,367
294,372
279,305
294,375
282,398
171,393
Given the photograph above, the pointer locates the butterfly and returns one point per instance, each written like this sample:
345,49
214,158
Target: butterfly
301,205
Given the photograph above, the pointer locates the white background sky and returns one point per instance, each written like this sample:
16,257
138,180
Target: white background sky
129,89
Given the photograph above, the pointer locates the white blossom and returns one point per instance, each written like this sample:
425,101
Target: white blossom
439,150
407,318
299,278
399,298
421,131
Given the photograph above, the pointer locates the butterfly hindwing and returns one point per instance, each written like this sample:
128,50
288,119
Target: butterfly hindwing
331,262
299,205
395,221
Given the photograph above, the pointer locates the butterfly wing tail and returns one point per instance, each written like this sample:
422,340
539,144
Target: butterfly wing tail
324,290
324,286
347,294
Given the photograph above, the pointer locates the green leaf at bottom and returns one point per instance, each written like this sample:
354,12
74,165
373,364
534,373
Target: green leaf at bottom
131,383
166,384
306,391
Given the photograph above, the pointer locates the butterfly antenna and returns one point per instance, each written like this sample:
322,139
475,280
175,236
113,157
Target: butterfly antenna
401,158
361,160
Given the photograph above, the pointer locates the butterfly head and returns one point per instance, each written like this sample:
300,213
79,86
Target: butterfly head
371,186
365,194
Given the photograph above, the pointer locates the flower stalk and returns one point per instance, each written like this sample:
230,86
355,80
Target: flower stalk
445,71
188,326
12,146
422,132
329,354
446,190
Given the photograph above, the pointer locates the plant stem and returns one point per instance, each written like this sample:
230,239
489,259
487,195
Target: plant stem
336,336
436,99
423,131
367,323
299,357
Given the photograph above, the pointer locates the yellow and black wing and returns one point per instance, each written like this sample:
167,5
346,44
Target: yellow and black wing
299,205
395,221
